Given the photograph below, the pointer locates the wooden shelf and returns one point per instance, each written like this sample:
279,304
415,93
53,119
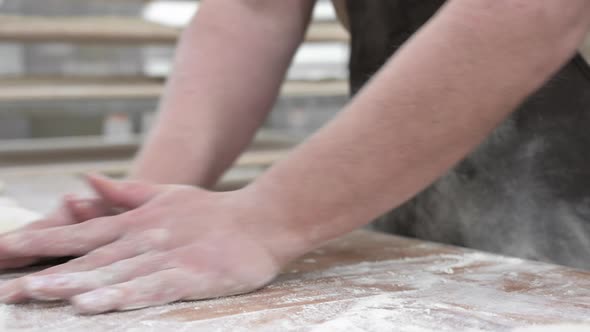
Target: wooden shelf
116,168
58,91
118,30
84,30
64,90
58,145
315,88
97,154
55,145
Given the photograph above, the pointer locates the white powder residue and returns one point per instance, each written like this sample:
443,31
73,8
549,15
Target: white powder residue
483,293
555,328
3,316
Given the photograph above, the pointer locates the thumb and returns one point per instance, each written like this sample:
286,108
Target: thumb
121,193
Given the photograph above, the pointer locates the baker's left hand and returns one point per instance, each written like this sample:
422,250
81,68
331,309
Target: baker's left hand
179,243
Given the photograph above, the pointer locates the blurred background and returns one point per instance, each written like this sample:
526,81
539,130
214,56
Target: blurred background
80,81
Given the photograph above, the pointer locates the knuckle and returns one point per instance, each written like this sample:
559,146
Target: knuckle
81,263
153,239
101,253
137,216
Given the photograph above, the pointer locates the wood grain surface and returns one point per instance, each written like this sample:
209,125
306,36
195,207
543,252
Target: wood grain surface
361,282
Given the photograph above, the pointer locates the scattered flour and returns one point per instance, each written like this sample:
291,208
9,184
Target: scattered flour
555,328
3,315
484,293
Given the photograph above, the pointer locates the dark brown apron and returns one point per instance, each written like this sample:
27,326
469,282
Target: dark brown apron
526,190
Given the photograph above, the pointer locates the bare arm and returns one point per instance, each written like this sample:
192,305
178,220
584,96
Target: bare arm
428,107
229,66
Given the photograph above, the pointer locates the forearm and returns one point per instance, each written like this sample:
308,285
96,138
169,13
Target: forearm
229,66
427,108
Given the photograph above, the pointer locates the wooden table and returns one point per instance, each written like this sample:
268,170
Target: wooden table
362,282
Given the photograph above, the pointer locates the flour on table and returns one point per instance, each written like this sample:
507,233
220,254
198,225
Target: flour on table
12,216
406,295
3,314
555,328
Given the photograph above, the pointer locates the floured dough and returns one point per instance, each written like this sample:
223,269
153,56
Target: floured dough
13,216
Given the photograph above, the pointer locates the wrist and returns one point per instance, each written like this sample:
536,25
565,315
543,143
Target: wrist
277,226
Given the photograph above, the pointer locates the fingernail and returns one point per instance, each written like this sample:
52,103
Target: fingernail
97,301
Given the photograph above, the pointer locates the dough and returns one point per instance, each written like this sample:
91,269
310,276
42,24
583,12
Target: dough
13,216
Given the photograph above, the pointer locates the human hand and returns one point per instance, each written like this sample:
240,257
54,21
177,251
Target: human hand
179,243
72,210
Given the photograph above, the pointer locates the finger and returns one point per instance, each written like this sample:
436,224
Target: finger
71,240
73,210
155,289
60,217
50,283
83,209
64,286
32,286
16,263
11,291
60,241
128,194
127,247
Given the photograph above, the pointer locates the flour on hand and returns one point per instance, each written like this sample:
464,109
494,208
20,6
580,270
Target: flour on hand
12,216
